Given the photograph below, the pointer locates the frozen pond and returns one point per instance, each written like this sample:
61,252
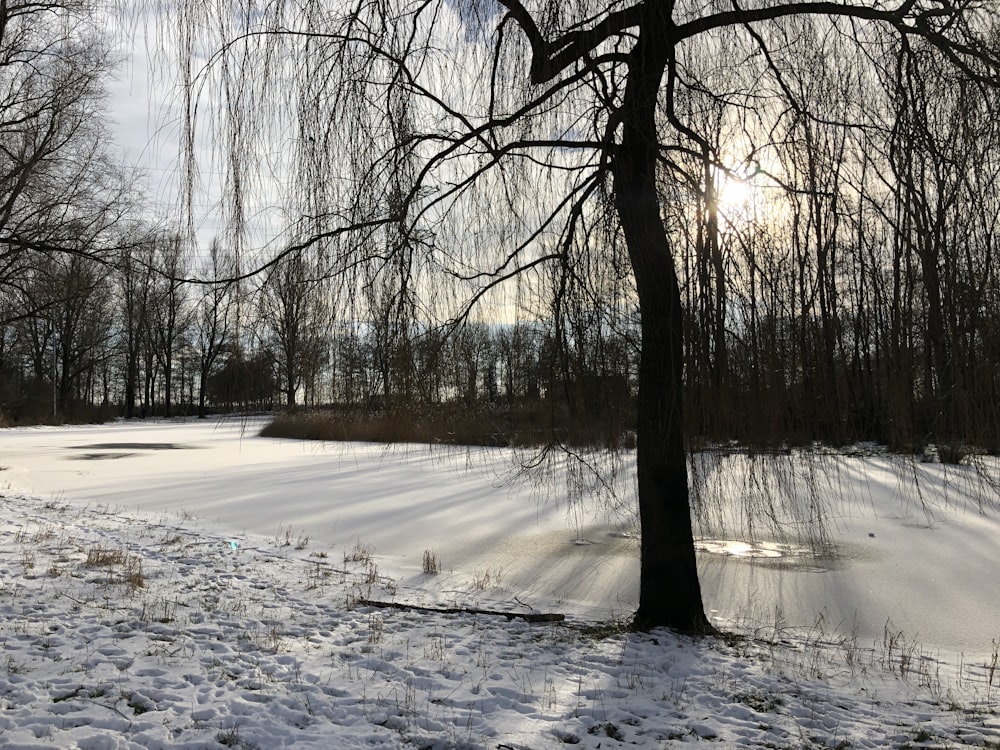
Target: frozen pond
923,558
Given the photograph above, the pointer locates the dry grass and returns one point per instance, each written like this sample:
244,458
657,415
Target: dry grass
102,557
432,566
525,424
386,427
359,553
122,567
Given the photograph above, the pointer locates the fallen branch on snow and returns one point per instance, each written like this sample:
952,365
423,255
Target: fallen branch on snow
527,616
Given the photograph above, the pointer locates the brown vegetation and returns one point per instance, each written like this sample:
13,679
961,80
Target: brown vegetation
519,425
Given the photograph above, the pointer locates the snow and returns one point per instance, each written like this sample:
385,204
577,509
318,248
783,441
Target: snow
192,585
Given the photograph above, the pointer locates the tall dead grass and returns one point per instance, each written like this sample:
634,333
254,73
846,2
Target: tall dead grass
520,425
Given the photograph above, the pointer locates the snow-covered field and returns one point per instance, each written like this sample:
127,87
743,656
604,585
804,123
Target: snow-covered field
192,585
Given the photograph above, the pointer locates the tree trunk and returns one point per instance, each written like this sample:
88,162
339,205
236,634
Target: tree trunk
669,590
202,388
168,385
131,378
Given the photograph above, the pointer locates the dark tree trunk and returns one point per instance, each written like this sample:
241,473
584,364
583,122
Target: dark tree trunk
202,387
669,590
168,386
131,377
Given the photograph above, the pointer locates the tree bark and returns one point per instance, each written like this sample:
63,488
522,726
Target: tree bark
669,589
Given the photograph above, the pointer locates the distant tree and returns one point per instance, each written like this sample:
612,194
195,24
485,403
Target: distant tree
296,319
214,317
244,381
474,142
64,199
168,314
134,282
69,343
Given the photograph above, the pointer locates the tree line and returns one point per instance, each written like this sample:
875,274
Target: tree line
858,299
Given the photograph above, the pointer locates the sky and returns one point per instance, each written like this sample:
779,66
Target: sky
145,123
145,126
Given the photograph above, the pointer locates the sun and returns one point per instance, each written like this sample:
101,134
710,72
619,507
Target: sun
737,197
735,192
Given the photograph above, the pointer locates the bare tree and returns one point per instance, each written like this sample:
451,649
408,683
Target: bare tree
58,189
63,199
169,315
459,146
213,318
67,345
293,311
134,282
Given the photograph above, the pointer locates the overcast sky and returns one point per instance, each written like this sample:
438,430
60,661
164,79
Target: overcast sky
146,132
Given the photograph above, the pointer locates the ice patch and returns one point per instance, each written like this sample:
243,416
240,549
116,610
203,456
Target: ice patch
736,548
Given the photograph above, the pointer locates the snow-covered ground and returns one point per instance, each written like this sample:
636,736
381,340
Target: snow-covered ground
192,585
